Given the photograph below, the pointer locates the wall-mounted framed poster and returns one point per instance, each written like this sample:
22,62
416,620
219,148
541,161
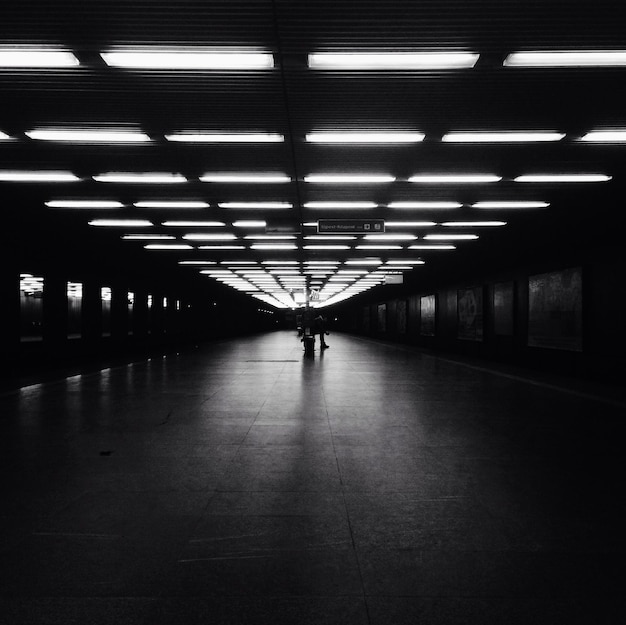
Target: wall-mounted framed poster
469,308
555,310
427,315
503,293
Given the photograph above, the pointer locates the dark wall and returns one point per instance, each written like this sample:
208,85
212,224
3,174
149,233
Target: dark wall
591,346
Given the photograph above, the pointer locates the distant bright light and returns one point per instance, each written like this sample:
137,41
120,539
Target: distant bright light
221,247
16,57
501,137
142,178
262,178
432,247
462,224
131,223
167,246
84,204
391,60
605,136
249,223
179,59
170,204
349,178
450,237
349,137
4,136
563,178
511,204
417,261
378,247
246,205
193,224
340,205
37,176
223,137
271,246
454,178
329,237
591,58
221,236
279,262
197,262
270,236
88,136
409,224
147,237
390,237
425,205
326,247
364,261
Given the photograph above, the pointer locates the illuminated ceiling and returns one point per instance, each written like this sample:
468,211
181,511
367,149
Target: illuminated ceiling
216,135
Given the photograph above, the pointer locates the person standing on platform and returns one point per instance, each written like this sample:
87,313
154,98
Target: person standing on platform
320,328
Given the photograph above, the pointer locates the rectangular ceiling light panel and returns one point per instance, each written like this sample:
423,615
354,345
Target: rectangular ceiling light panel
605,136
141,178
578,58
426,205
454,178
95,204
563,178
88,136
18,57
510,204
392,60
170,204
260,178
188,60
348,178
246,205
365,136
233,137
37,176
501,137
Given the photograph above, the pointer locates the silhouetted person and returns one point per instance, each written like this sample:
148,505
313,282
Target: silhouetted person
319,327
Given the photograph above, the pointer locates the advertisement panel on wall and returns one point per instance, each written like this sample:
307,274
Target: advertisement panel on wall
503,308
427,315
555,310
470,314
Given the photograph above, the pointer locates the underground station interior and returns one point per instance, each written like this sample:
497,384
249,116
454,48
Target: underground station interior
313,312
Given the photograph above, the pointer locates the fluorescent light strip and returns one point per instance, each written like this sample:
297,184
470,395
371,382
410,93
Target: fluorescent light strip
409,224
145,237
364,261
4,136
340,205
390,237
165,246
120,222
473,223
502,137
444,237
454,178
246,205
348,178
249,223
170,204
351,137
187,60
197,262
432,247
16,57
209,237
84,204
579,58
268,246
221,247
269,236
37,176
329,237
326,247
425,205
142,178
605,136
512,204
417,261
193,224
563,178
391,60
241,137
88,136
245,178
378,247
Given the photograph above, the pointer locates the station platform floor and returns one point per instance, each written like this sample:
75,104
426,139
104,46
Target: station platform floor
371,484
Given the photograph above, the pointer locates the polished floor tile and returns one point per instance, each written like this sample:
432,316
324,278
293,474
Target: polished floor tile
374,484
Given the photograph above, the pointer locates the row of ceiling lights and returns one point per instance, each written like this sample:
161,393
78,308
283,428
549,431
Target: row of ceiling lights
194,59
343,137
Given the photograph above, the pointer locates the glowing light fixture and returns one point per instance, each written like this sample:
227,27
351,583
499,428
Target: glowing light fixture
233,137
139,223
4,136
221,247
193,224
141,178
263,178
88,136
510,204
340,205
249,223
188,60
349,178
147,237
579,58
220,236
501,137
17,57
605,136
326,247
391,60
454,178
425,205
246,205
445,237
37,176
409,224
170,204
378,247
197,262
462,224
272,246
432,247
390,237
563,178
167,246
84,204
366,136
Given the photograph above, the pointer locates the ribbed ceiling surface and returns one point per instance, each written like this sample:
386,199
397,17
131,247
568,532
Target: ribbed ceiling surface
292,100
